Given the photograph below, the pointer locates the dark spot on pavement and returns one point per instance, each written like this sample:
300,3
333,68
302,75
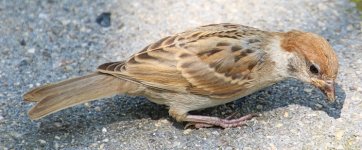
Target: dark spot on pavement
104,19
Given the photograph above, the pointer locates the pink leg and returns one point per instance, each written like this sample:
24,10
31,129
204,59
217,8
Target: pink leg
205,121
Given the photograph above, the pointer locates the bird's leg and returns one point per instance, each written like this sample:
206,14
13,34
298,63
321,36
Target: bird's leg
205,121
199,121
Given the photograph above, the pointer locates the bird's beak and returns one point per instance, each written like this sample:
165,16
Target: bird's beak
327,87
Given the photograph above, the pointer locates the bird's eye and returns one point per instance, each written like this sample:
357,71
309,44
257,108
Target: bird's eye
314,69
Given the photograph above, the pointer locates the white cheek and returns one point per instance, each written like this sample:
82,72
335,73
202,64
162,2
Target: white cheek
280,57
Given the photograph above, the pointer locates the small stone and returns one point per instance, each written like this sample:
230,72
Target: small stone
31,50
319,106
187,131
97,108
93,145
87,105
272,146
359,89
350,27
31,85
104,20
68,68
22,42
176,144
247,148
259,107
229,148
339,135
158,123
101,146
56,145
42,141
43,16
57,124
215,133
352,88
286,114
279,125
23,63
164,121
308,90
65,22
106,140
104,130
57,137
340,147
1,118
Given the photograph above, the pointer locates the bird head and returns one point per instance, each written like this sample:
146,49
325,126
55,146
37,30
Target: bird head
315,62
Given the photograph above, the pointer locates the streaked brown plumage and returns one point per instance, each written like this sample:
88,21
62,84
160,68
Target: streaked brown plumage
200,68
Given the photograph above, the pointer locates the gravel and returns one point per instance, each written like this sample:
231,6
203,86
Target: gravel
44,41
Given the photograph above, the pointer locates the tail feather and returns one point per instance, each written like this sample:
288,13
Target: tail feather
58,96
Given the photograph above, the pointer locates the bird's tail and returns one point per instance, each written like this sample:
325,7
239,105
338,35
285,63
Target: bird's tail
58,96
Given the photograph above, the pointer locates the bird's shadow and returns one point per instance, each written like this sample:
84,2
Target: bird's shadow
124,108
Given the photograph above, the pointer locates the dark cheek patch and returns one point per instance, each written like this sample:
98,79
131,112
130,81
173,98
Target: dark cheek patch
291,67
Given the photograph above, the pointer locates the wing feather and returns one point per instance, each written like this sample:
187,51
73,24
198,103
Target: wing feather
215,61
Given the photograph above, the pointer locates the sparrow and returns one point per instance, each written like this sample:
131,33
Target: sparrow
200,68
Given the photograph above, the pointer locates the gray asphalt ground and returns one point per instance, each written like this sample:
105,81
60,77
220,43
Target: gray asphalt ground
43,41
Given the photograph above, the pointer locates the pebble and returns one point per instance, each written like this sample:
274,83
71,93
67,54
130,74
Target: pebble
359,89
229,148
164,121
104,19
22,42
286,114
31,50
101,147
319,106
176,144
43,16
57,137
279,125
56,145
187,131
339,134
97,108
352,88
308,90
57,124
68,68
259,107
215,133
87,105
104,130
42,141
350,27
340,147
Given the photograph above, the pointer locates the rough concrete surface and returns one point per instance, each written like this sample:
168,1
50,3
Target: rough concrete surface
43,41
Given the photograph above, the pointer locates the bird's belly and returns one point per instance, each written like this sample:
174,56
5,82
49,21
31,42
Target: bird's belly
189,102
